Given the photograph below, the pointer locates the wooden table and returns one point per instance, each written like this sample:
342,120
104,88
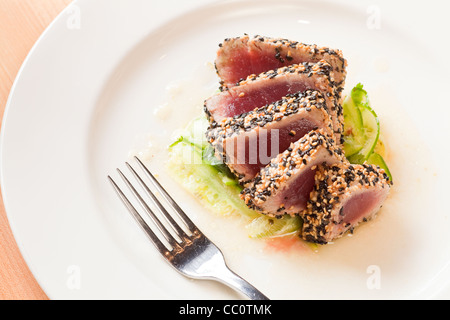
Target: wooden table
21,24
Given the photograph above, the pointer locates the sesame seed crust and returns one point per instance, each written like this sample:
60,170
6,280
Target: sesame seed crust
314,52
344,195
300,156
285,51
334,186
309,104
321,70
260,117
332,91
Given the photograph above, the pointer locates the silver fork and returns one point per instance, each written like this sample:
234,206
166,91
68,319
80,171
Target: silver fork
190,252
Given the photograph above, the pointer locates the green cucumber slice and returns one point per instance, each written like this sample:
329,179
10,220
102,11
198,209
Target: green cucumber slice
371,133
353,127
359,95
196,132
266,227
371,130
352,145
212,187
194,165
377,159
361,126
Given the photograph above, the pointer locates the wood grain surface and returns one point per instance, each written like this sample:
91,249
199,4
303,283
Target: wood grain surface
21,24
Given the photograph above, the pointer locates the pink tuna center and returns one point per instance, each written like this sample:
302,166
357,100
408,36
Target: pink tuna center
262,148
256,61
359,206
261,62
240,68
297,194
241,102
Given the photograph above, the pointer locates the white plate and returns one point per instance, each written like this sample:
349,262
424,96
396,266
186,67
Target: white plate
86,97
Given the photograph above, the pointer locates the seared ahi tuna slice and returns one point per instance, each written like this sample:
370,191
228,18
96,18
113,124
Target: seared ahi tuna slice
239,57
249,141
344,196
271,86
284,185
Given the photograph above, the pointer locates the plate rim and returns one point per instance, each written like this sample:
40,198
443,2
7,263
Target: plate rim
8,105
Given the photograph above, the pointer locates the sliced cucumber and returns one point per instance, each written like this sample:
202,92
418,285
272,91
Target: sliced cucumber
194,166
371,135
196,130
352,145
371,130
209,156
264,226
206,182
194,134
353,127
361,126
356,158
367,142
359,95
377,159
352,112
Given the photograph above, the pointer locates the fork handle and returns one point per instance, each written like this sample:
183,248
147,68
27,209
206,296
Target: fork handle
234,281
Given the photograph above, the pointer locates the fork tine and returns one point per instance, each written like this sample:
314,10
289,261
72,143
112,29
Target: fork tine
154,218
163,210
154,239
169,199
